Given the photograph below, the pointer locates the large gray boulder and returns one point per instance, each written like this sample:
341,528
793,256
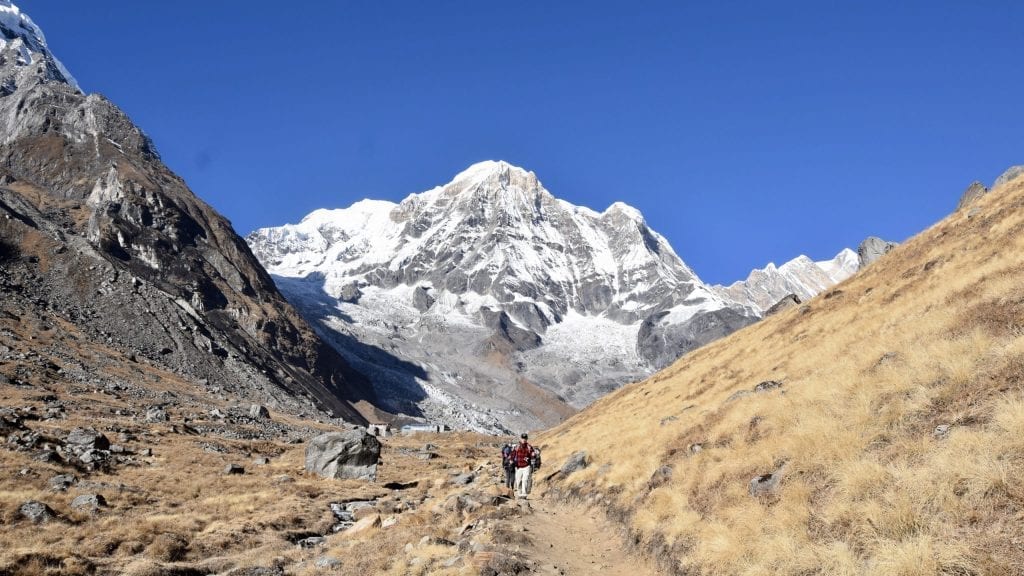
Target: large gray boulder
350,454
873,248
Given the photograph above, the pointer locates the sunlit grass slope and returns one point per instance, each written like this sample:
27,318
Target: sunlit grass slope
929,336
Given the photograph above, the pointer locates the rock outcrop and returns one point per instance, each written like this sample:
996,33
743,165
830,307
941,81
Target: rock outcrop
98,231
971,194
873,248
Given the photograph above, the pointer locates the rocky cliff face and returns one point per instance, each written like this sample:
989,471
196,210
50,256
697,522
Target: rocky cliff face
500,295
97,231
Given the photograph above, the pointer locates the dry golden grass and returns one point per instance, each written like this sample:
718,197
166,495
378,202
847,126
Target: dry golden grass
930,335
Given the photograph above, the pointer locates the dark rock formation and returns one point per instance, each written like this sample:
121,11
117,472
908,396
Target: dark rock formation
791,301
662,342
97,230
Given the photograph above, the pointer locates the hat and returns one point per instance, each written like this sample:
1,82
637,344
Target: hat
523,435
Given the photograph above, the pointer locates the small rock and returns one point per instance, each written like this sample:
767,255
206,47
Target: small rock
258,412
464,479
147,452
941,431
766,386
156,414
765,484
36,512
311,542
389,522
234,469
62,482
327,562
668,419
261,461
695,448
216,413
90,502
576,461
426,455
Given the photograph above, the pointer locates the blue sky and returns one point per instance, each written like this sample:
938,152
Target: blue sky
746,132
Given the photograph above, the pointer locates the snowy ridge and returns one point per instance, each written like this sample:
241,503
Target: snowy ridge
20,33
801,276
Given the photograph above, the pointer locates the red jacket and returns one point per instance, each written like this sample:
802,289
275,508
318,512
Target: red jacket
521,455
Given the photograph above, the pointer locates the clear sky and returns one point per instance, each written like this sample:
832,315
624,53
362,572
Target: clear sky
746,132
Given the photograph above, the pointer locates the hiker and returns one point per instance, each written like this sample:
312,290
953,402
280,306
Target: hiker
509,467
522,455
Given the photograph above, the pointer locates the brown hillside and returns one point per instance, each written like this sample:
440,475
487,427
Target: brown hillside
870,479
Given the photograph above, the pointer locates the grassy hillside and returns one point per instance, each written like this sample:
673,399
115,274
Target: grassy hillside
869,480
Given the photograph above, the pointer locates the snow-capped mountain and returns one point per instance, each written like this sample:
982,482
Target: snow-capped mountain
492,290
19,34
800,276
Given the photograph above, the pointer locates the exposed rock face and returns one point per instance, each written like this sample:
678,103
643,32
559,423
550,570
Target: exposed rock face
662,339
873,248
801,277
786,303
489,293
974,191
101,233
1011,173
351,454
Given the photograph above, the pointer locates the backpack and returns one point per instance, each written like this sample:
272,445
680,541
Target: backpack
535,459
506,455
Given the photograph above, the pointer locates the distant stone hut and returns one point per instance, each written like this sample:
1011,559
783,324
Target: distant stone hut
380,429
425,427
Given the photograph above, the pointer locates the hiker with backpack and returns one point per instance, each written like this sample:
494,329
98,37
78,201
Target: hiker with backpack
509,467
524,458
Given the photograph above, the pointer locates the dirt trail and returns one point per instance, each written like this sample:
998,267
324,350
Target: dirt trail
575,541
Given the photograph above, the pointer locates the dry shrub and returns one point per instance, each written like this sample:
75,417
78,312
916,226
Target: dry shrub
167,547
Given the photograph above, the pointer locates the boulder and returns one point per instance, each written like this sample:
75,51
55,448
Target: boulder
36,512
464,479
350,293
156,414
576,461
62,482
258,412
349,454
873,248
233,469
422,299
91,502
82,439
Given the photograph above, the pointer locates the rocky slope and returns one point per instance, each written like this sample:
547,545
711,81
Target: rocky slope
97,232
500,305
874,430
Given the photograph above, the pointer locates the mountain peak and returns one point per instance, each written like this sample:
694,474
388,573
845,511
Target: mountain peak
494,171
625,210
19,32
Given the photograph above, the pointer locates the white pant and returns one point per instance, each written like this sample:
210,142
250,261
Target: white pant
524,481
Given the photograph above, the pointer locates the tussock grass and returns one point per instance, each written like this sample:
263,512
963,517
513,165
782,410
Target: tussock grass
930,335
